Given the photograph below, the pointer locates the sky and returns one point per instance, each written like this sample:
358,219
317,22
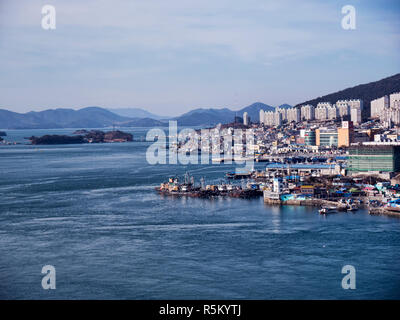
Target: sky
169,57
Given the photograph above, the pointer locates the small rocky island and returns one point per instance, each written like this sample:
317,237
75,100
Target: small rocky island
93,136
3,134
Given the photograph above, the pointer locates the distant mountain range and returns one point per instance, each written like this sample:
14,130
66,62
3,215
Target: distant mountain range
96,117
366,92
90,117
211,116
136,113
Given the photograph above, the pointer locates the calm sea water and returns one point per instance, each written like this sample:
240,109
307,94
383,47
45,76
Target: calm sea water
92,212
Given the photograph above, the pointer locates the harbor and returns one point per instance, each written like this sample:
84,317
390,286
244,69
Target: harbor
296,185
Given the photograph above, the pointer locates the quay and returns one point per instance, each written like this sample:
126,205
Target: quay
392,212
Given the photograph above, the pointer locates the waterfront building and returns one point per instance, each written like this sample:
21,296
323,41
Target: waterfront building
345,134
246,119
378,106
307,112
374,156
326,137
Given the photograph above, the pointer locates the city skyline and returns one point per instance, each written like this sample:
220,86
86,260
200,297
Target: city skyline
169,58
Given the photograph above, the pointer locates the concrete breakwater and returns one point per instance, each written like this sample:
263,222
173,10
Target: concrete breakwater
307,202
392,212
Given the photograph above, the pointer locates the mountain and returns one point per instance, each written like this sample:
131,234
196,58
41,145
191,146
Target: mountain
202,116
136,113
198,117
366,92
90,117
253,110
144,122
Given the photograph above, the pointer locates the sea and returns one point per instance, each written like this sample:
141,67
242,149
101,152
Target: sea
91,212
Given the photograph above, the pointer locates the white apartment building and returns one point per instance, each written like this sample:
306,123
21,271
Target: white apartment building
394,97
355,115
293,114
324,104
355,103
272,118
307,112
321,112
269,118
378,106
332,112
343,108
282,111
262,121
278,117
246,119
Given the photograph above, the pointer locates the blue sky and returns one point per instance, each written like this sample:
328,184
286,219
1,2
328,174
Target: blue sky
169,57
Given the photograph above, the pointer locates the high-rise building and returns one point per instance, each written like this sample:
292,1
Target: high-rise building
345,134
293,114
321,111
246,119
278,118
343,108
355,115
356,103
283,112
378,106
393,97
307,112
332,112
269,118
261,116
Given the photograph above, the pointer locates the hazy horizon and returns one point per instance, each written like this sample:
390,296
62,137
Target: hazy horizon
171,57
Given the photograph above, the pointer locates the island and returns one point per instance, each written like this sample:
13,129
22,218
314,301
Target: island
93,136
3,134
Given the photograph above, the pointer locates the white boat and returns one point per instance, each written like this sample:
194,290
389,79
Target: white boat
327,210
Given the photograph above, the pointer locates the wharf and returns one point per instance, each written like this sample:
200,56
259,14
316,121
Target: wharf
307,202
392,212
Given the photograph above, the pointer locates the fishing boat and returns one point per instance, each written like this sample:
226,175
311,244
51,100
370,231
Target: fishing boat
327,210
